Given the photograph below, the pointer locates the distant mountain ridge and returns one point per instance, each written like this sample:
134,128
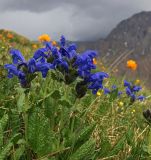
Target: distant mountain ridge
130,39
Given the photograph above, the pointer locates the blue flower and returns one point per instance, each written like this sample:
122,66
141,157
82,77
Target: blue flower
128,91
120,93
131,91
25,70
62,41
31,65
127,84
84,63
61,63
16,56
96,81
106,91
12,70
136,88
44,68
114,86
40,55
141,98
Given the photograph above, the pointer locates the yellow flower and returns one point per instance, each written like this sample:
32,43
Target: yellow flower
44,37
98,93
133,111
94,61
54,43
137,81
121,104
132,64
34,46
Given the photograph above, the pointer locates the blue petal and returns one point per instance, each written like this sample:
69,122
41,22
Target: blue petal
62,41
12,70
141,98
17,56
127,84
40,54
106,91
32,65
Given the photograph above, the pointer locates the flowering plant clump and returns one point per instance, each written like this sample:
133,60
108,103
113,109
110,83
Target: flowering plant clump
64,59
26,70
68,127
131,91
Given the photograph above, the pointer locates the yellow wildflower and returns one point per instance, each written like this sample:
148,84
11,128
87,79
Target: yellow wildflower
137,81
133,111
132,64
121,104
98,93
44,37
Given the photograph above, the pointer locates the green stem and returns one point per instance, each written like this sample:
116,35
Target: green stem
26,123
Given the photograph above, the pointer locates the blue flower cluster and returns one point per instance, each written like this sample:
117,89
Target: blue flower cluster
131,91
65,59
25,70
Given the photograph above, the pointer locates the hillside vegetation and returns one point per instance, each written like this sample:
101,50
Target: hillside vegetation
56,104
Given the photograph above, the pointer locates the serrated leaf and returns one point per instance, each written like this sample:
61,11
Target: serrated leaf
21,102
56,94
1,136
4,121
85,152
6,151
38,127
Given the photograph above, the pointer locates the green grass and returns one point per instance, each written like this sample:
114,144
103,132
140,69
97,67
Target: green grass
49,122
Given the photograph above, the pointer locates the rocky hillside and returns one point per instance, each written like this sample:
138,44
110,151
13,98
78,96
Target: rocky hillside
130,39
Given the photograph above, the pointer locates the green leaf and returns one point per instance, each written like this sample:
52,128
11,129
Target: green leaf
1,136
21,101
84,135
4,121
56,94
6,151
19,152
129,137
65,103
85,152
105,146
39,132
119,146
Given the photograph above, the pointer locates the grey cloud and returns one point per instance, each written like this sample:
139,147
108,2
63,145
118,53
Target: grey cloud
77,19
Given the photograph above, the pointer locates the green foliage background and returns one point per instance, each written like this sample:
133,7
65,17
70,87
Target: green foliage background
48,121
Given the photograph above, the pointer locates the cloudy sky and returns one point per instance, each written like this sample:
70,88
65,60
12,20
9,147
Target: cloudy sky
76,19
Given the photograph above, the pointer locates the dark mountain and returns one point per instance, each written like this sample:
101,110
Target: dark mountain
130,39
